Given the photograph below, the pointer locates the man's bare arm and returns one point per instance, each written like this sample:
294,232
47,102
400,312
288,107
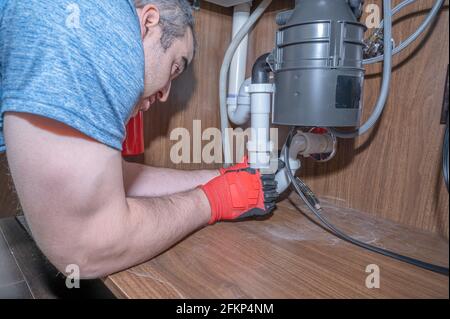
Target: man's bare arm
146,181
71,190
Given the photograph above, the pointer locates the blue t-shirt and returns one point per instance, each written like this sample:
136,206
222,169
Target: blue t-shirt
78,62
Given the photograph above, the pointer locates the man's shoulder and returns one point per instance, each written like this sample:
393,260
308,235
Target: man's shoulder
98,33
78,62
69,14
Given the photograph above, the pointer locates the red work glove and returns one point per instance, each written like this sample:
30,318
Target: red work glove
243,164
240,192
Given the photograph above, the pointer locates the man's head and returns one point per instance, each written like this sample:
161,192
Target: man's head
167,31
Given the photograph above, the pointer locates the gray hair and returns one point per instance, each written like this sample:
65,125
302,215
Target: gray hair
175,18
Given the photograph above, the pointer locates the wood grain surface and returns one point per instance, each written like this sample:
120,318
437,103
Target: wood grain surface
289,256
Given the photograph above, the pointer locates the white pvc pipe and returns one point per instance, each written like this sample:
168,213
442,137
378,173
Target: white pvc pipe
282,177
297,145
239,62
239,113
260,146
302,144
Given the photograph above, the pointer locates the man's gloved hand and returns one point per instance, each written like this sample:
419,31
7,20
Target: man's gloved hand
240,192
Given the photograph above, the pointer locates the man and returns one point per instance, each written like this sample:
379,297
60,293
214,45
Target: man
67,91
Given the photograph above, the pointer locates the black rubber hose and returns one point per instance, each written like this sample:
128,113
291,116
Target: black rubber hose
445,156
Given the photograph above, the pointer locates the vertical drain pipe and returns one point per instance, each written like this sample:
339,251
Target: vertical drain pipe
261,90
239,62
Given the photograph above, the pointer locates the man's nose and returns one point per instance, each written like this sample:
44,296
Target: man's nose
165,92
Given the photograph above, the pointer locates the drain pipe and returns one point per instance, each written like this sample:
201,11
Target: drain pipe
261,90
304,144
239,113
236,113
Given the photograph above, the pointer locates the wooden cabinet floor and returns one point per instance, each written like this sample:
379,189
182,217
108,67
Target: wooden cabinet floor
290,256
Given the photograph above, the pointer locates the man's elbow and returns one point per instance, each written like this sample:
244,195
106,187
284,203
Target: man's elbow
85,259
76,262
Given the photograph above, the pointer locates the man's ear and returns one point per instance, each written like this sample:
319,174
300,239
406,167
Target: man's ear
149,19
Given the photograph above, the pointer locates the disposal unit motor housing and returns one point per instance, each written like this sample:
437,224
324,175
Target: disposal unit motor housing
318,65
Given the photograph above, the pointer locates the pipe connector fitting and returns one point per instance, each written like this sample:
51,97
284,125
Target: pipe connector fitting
260,88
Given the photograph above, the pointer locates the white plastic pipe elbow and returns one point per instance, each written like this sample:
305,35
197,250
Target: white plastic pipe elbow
303,144
238,108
